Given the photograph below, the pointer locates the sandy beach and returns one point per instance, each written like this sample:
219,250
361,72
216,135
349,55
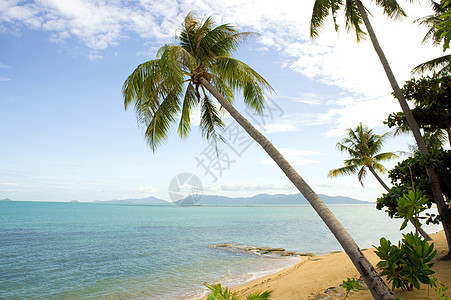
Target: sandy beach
314,275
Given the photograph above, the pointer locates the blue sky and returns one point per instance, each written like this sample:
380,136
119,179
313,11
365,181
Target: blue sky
65,135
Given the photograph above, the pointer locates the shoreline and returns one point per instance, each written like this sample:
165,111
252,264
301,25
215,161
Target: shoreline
313,275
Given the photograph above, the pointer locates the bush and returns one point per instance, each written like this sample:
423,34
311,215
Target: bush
219,293
408,264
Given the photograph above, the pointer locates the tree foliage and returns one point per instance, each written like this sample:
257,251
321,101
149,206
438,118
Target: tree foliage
364,149
220,293
408,264
432,99
168,87
413,169
353,18
439,25
443,27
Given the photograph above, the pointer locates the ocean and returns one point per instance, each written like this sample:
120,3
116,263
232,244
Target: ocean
54,250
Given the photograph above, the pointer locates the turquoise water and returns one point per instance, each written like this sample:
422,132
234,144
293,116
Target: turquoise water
91,251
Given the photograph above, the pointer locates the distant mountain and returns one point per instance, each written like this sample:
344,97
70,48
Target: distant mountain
6,199
266,199
261,199
144,201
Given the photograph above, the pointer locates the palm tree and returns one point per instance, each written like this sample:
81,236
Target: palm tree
442,63
356,15
186,74
363,147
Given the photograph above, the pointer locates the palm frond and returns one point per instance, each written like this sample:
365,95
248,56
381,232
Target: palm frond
361,175
238,75
159,121
189,102
210,121
354,19
134,86
378,167
343,171
222,41
266,295
392,9
321,10
223,88
385,156
440,64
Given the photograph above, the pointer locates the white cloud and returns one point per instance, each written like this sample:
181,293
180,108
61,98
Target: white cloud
4,66
94,56
246,186
8,184
4,78
348,112
296,157
333,59
306,98
293,122
148,189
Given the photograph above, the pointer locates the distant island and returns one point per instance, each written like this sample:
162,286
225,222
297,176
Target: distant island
260,199
6,199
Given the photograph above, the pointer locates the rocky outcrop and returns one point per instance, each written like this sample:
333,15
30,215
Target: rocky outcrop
266,251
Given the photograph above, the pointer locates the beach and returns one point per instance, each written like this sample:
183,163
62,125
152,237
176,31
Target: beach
313,275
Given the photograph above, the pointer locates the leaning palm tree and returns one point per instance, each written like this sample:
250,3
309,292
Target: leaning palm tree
440,64
364,147
356,15
187,75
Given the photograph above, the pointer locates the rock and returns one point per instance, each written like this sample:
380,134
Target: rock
220,246
305,254
321,296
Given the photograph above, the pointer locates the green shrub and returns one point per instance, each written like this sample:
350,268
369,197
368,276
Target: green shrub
408,264
350,285
219,293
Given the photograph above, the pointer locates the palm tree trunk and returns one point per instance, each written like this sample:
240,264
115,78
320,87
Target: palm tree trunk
379,179
423,233
436,190
374,282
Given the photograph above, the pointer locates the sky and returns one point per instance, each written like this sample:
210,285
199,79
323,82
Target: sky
65,134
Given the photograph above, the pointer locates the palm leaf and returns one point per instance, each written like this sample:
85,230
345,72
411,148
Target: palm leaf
321,10
442,64
392,8
260,296
210,121
361,175
354,19
238,75
348,170
189,102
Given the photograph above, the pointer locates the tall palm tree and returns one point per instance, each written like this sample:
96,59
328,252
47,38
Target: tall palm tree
356,15
440,64
363,147
186,74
